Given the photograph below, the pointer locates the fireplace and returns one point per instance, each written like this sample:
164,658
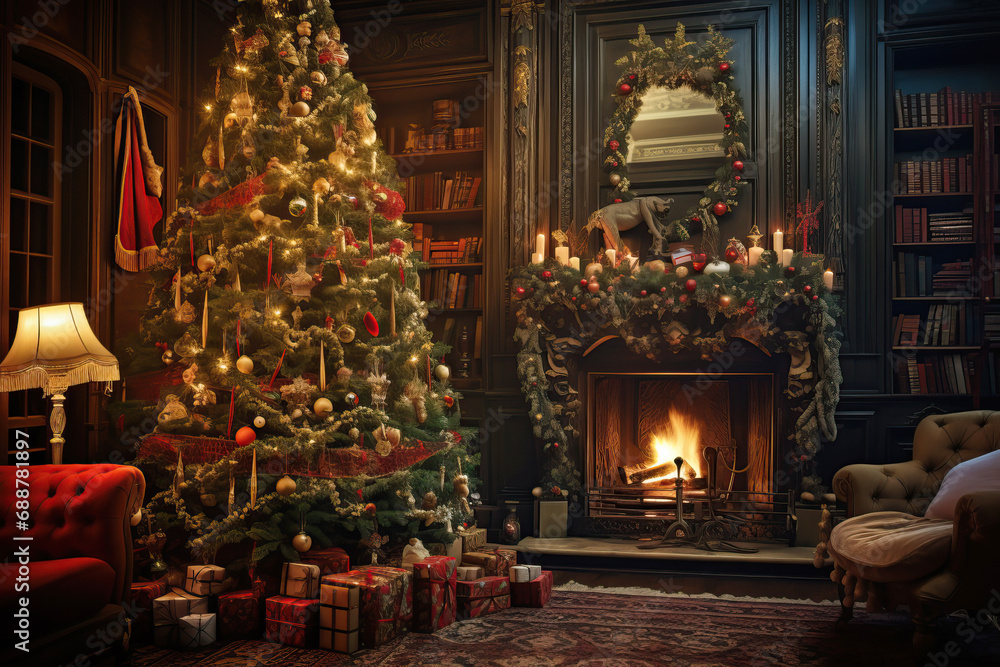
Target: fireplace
722,427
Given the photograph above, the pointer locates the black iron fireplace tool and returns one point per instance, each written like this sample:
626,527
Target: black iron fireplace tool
712,535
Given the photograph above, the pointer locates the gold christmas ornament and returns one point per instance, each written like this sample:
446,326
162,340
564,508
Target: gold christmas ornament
346,333
286,486
442,372
593,269
208,499
242,106
681,271
244,365
430,501
321,186
259,421
322,407
302,542
656,265
304,29
206,263
299,110
256,215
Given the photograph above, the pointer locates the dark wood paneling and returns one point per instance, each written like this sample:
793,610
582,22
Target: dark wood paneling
67,22
142,39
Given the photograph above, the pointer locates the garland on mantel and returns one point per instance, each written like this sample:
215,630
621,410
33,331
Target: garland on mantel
703,68
559,315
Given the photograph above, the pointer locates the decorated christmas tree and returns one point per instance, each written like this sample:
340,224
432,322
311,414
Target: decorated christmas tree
299,397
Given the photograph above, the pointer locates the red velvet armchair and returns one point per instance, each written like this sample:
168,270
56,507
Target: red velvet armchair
77,581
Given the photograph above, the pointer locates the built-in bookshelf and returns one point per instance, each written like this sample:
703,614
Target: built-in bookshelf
439,149
942,322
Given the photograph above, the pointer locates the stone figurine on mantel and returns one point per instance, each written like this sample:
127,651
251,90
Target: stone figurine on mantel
623,216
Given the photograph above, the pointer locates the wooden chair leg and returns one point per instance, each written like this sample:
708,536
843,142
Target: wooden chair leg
923,637
846,613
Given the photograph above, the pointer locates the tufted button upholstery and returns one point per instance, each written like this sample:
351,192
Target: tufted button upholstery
939,444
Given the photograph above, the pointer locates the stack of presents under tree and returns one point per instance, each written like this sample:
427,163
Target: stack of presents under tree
321,602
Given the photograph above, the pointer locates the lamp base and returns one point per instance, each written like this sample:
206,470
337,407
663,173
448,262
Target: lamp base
57,422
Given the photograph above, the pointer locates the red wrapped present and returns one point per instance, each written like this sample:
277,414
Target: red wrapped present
292,621
534,593
434,581
482,596
330,561
239,615
385,600
494,563
143,594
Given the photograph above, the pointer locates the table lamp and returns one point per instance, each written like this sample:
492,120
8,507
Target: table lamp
55,348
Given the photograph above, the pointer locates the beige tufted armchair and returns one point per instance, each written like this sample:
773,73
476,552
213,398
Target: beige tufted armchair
972,572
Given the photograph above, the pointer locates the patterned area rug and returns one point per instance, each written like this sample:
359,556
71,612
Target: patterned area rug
580,628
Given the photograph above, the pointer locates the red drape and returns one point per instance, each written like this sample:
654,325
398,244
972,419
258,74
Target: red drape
138,211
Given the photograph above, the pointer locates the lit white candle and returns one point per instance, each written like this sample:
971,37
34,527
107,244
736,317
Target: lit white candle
786,256
574,263
540,245
562,255
537,257
828,279
779,242
755,252
611,253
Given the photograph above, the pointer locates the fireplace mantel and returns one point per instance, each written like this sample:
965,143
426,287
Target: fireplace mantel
661,320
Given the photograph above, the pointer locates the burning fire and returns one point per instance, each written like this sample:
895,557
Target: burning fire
678,437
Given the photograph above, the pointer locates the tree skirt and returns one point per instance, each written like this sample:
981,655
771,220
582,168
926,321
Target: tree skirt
591,629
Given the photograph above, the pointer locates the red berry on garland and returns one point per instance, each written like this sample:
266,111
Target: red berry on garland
615,163
724,66
613,144
573,298
519,290
815,297
624,89
691,285
789,270
683,298
738,165
611,288
695,218
642,293
807,288
663,289
546,274
726,126
738,178
631,77
583,282
720,208
618,201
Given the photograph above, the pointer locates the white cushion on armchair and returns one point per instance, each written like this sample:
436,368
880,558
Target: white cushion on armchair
979,474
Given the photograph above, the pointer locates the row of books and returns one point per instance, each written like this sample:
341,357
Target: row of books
934,374
463,251
945,107
438,140
991,323
915,276
945,324
950,174
430,192
916,225
452,289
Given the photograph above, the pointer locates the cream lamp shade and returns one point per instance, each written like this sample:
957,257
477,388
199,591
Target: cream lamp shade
55,348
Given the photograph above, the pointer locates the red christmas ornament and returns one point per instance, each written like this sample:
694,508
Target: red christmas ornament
683,298
392,207
624,89
615,163
546,274
663,289
449,401
642,293
724,66
808,288
245,436
396,246
815,297
583,282
613,144
738,177
738,165
691,285
371,324
699,261
732,255
720,208
370,508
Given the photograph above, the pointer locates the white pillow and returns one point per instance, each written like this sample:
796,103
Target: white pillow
979,474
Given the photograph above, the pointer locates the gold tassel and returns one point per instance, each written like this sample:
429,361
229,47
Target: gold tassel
322,367
253,480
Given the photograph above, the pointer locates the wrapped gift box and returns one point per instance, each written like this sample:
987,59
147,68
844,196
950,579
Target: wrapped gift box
300,580
197,630
434,581
341,642
239,615
204,579
494,563
291,621
534,593
143,594
524,573
469,572
330,561
473,539
167,613
385,600
482,596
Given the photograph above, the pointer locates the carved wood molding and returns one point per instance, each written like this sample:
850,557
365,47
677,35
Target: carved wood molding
832,175
790,100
